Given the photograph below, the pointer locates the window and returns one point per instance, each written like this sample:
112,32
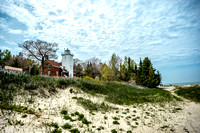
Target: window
57,73
49,73
49,66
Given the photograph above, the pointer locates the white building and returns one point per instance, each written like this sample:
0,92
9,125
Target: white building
67,62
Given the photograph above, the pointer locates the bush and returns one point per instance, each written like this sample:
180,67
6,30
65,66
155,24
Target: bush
66,126
57,131
74,130
64,112
191,93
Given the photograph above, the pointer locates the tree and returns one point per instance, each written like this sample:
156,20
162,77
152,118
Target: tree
79,70
16,63
146,74
34,70
40,50
4,56
115,64
107,73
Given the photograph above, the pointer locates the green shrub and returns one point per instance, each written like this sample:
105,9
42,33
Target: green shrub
76,113
64,112
116,122
80,116
74,130
24,115
55,125
85,121
191,93
66,126
115,118
67,117
113,131
57,131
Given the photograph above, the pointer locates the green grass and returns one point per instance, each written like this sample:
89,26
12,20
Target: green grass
24,115
113,131
11,84
56,130
18,108
75,130
88,104
115,118
67,117
116,122
191,93
67,126
53,124
64,112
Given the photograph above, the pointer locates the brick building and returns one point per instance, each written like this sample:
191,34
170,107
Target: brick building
53,68
64,68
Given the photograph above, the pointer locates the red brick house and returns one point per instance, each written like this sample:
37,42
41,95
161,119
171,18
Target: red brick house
64,68
53,68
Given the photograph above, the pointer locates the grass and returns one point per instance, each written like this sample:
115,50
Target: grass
64,112
113,131
75,130
18,108
116,122
115,92
55,125
24,115
67,117
88,104
57,131
115,118
190,93
67,126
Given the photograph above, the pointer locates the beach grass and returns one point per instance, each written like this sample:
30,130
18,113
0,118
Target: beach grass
191,93
114,92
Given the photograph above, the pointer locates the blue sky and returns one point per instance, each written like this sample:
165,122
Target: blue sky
166,31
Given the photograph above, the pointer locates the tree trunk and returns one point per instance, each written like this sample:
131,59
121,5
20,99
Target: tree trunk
42,65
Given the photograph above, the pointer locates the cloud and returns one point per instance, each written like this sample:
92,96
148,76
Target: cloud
2,37
14,31
100,28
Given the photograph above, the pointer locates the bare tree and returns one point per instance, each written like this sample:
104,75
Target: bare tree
40,50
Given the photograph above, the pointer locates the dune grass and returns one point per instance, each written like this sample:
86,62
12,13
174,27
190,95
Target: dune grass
88,104
191,93
115,92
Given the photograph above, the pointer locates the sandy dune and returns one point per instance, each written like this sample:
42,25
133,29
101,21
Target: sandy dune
143,118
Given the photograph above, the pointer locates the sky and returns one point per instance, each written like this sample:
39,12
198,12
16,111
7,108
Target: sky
166,31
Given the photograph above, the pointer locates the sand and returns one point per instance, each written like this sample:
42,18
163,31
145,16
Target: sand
142,118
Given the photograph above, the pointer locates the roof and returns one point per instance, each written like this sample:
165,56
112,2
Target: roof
52,62
13,68
56,64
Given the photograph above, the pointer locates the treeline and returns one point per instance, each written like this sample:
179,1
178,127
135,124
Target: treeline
119,70
27,65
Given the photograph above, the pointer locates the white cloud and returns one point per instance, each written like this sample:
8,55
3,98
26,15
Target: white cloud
14,31
128,28
2,37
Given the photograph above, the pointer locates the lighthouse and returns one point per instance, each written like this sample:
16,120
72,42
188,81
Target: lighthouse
67,61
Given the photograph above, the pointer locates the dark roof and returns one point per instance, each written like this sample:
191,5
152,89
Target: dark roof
54,63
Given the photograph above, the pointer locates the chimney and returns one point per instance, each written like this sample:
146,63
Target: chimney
46,57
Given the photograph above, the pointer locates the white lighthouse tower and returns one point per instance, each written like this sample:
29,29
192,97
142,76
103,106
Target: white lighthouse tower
67,62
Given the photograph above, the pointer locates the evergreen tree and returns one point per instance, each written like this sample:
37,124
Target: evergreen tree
146,74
